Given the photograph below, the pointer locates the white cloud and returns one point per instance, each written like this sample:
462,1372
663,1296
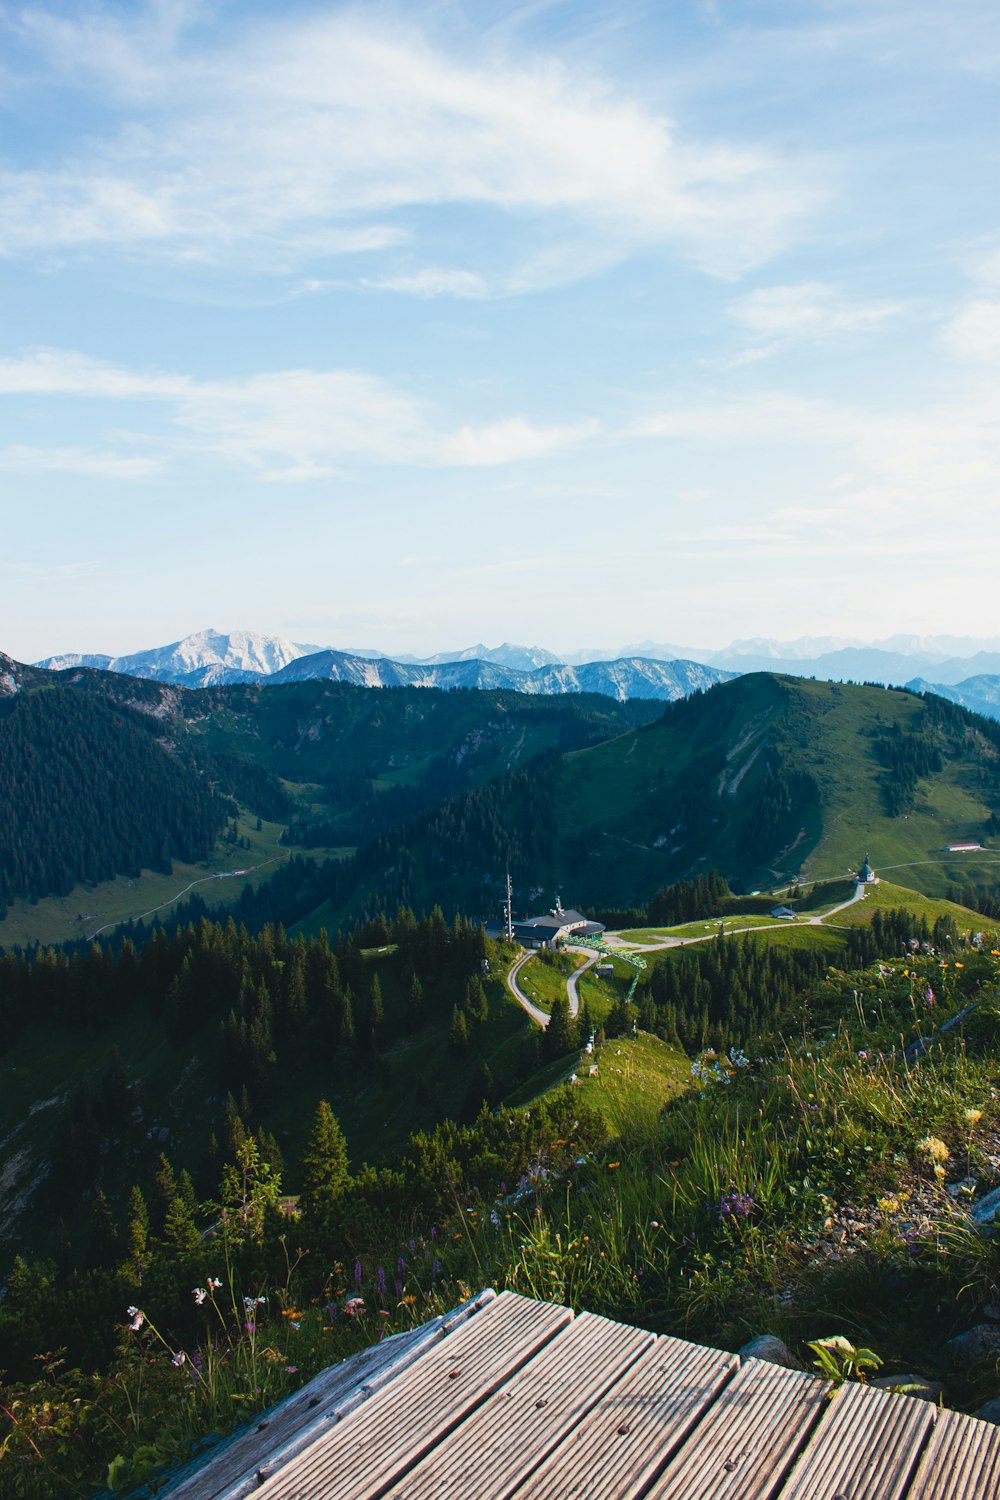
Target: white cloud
433,281
311,138
811,311
908,468
20,459
974,332
290,424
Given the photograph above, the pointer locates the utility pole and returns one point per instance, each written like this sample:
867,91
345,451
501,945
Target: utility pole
508,912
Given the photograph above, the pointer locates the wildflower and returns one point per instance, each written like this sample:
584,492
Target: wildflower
179,1358
973,1117
612,1165
934,1149
136,1319
381,1281
199,1294
354,1306
928,997
654,1223
863,1056
958,965
214,1283
436,1269
735,1206
939,1173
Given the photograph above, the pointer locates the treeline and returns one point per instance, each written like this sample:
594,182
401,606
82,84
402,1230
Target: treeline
705,895
736,991
166,1235
907,757
87,792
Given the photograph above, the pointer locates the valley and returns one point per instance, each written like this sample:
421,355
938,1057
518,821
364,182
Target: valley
178,1040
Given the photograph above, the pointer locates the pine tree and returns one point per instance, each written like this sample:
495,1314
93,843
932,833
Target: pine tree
137,1235
559,1033
325,1172
458,1036
476,1004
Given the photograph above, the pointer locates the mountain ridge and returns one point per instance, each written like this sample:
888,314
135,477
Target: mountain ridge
212,658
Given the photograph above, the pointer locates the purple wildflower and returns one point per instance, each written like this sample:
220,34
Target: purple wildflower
381,1281
179,1359
436,1269
136,1319
401,1267
735,1206
399,1290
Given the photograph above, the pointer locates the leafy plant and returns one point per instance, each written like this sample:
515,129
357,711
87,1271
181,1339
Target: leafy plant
840,1361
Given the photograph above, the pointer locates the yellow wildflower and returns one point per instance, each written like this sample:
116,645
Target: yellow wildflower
973,1116
934,1149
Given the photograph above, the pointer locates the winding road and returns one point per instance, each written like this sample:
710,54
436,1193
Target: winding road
613,941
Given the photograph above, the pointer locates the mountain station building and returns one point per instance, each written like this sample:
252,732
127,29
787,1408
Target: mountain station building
557,926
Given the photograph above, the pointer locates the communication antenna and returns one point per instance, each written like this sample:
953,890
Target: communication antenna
508,912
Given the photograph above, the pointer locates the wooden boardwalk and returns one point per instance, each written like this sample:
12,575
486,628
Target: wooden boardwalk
507,1397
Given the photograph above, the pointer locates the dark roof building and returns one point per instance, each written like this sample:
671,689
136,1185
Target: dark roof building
555,927
866,875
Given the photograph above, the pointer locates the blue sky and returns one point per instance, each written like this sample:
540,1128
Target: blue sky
411,325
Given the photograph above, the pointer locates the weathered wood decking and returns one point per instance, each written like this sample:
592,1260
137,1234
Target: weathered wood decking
507,1397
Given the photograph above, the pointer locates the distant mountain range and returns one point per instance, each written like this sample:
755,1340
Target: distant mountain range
630,678
964,669
214,659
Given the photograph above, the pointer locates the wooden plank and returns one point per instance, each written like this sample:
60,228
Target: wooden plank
510,1434
748,1440
233,1470
366,1453
867,1447
635,1428
962,1461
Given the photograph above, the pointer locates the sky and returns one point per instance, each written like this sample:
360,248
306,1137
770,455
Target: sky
404,326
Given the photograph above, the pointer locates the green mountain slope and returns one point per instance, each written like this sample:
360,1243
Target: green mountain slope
106,776
764,778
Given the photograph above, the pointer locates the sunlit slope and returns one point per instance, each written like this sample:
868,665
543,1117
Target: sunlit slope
769,777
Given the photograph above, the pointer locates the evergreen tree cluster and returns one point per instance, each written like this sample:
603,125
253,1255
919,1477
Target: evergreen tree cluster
906,757
87,792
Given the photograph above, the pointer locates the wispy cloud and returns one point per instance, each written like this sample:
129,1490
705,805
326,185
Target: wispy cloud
974,331
93,464
288,425
778,317
318,137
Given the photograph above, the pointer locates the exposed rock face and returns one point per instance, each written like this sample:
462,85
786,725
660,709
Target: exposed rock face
980,1342
990,1412
769,1348
987,1210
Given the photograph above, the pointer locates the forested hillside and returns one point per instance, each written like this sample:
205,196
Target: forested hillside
86,791
107,775
764,778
